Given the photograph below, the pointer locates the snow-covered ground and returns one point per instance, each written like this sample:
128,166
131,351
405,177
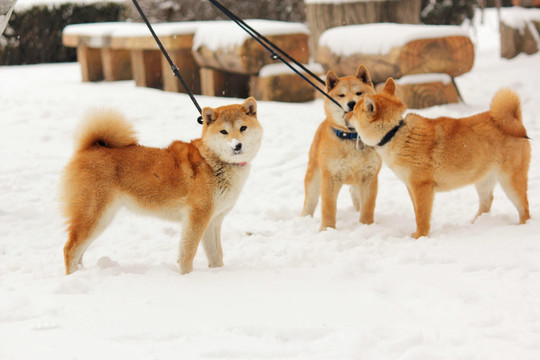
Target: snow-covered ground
469,291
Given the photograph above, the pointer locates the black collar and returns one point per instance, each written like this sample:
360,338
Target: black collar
389,135
345,135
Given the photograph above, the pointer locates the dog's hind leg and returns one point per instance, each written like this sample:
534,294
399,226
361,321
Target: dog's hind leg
422,196
312,187
212,242
84,227
515,187
484,188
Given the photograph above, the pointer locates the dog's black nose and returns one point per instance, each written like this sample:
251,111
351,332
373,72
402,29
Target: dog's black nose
351,104
238,147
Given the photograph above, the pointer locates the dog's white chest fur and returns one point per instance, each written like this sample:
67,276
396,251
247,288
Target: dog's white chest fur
230,181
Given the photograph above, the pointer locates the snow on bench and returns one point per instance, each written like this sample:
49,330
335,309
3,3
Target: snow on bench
520,31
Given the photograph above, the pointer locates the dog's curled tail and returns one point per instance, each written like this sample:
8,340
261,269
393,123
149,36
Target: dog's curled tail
105,128
506,111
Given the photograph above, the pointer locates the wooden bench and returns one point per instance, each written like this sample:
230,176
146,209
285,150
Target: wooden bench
97,58
121,51
150,68
398,50
230,59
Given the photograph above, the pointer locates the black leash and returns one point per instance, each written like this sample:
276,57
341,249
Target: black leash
272,48
174,68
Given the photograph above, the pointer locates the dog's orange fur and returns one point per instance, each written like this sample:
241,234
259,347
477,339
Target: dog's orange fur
445,153
334,162
194,183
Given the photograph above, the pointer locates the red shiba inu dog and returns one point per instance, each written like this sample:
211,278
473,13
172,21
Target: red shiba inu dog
194,183
338,157
442,154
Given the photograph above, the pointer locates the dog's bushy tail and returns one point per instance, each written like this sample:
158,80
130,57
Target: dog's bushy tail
506,111
106,128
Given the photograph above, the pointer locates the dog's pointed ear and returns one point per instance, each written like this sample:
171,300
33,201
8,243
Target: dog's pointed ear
209,115
331,80
390,86
369,105
250,106
362,73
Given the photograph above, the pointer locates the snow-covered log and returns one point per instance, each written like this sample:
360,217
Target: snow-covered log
322,15
222,45
520,31
395,50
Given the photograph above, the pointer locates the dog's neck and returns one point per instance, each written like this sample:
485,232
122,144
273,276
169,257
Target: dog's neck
389,135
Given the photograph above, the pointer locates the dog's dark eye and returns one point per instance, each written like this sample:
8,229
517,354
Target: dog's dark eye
224,132
359,93
243,128
341,95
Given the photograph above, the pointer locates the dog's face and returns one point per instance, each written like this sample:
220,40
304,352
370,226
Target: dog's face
233,132
347,91
375,115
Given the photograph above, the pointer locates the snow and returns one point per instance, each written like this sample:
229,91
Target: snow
518,17
469,291
226,34
280,68
379,39
424,78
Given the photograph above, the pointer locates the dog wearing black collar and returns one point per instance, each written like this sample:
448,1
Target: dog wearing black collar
442,154
338,157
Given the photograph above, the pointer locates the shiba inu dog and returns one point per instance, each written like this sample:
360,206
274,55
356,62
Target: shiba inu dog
442,154
194,183
338,157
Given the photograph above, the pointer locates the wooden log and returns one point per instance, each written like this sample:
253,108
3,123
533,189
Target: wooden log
422,91
276,82
322,16
453,55
249,57
514,41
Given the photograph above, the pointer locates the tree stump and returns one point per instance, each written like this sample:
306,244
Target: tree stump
451,53
322,15
426,90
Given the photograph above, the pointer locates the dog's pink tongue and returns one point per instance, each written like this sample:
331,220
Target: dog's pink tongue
243,163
